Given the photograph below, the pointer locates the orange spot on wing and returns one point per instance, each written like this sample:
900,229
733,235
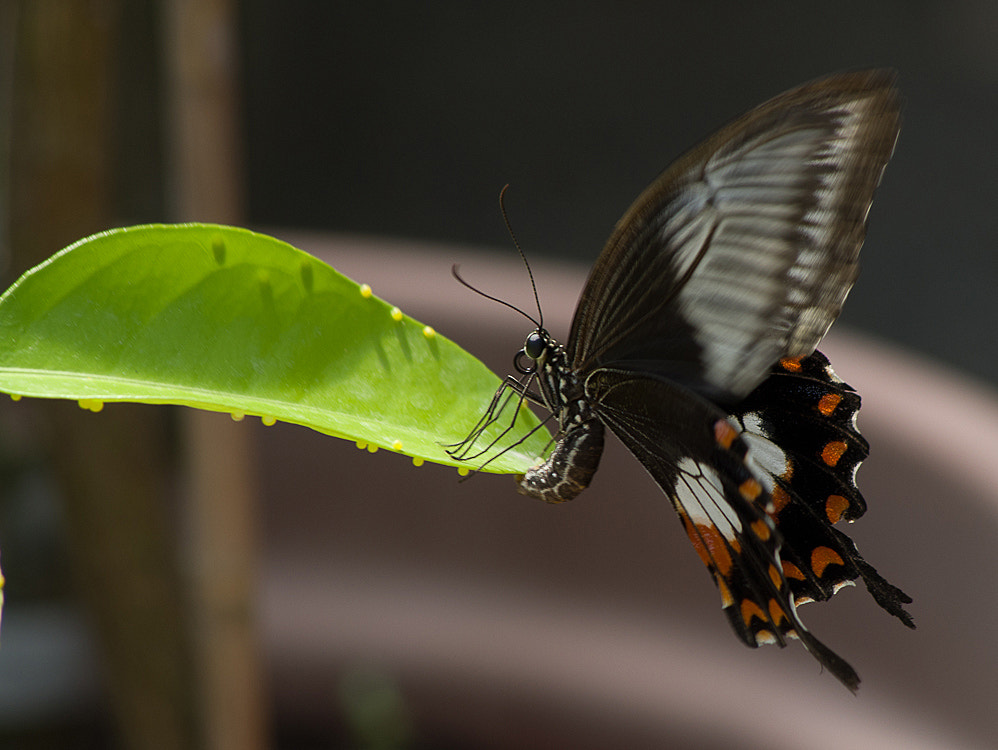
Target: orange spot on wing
792,571
832,452
698,545
749,610
724,433
750,489
775,577
764,637
711,546
776,612
828,402
780,500
790,364
835,506
761,530
822,557
726,599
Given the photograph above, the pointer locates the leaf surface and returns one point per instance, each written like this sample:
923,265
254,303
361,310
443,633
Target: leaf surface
230,320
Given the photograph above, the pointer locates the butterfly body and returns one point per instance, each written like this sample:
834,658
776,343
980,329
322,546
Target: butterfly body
575,458
694,342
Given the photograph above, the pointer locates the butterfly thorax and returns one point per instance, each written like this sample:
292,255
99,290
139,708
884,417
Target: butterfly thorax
575,458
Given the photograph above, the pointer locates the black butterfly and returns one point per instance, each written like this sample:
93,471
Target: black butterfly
694,342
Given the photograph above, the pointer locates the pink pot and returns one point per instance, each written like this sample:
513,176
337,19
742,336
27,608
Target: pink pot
509,623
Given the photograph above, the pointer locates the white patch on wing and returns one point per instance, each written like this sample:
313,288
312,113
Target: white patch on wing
700,492
841,585
855,469
782,257
763,453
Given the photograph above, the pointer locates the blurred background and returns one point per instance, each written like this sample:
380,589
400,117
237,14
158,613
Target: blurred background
177,581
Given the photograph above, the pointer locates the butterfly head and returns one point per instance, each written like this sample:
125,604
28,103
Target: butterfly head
535,352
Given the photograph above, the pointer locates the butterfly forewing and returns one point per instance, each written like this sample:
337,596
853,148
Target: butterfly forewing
744,250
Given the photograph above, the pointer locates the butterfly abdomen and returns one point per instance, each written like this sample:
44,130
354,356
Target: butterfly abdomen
571,465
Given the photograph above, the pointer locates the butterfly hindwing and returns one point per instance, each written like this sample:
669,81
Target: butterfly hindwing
744,249
801,425
701,462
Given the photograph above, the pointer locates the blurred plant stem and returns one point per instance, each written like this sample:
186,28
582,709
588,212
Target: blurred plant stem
105,129
113,469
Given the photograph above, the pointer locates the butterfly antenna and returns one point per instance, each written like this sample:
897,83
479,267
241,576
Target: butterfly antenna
457,275
516,243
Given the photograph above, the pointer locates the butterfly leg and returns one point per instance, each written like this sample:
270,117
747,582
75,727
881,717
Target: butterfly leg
462,451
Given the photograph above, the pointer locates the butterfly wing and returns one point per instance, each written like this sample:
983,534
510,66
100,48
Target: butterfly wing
743,250
701,463
800,426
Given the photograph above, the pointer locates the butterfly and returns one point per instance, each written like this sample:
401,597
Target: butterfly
694,341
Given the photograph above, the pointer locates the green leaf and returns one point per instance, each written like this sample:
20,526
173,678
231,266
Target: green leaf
230,320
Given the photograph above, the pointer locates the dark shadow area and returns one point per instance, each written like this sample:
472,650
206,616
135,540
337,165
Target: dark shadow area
406,120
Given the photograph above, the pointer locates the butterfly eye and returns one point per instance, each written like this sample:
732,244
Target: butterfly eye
535,345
